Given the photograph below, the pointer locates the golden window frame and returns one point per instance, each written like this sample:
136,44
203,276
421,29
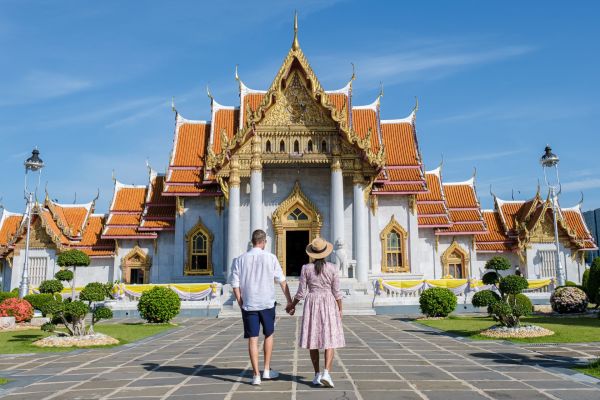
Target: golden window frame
199,228
137,258
394,226
447,258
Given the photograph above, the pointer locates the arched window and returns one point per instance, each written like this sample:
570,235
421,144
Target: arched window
455,261
310,146
393,245
282,147
268,146
296,147
324,146
199,243
455,265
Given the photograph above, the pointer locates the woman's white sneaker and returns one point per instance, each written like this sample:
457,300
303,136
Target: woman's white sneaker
317,379
326,379
256,380
270,374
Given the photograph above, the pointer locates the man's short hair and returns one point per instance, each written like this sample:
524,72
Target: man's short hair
259,236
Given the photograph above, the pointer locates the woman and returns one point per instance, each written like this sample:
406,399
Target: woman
322,317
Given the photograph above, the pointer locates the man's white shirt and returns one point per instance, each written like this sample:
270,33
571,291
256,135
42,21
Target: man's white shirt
255,272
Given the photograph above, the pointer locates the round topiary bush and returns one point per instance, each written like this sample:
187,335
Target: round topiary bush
93,291
7,295
498,263
491,278
160,304
48,327
567,300
521,304
513,284
485,298
51,286
593,282
64,275
18,308
39,301
437,302
102,313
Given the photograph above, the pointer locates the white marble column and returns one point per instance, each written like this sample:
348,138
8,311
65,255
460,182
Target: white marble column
337,201
360,230
233,217
256,188
413,235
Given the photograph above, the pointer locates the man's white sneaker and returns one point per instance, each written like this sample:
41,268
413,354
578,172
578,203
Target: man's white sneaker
326,379
317,379
270,374
256,380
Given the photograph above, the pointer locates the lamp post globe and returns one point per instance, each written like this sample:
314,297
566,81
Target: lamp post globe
32,164
549,161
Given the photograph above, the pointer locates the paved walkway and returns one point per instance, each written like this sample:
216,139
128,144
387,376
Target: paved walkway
386,358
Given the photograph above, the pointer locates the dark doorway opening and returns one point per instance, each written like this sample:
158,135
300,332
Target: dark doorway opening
295,251
137,276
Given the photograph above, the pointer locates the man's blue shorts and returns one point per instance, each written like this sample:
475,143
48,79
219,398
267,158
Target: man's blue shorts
254,319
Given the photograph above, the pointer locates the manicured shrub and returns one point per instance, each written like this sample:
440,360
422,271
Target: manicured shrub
64,275
93,291
521,304
39,301
18,308
593,284
7,295
102,313
491,278
512,284
437,302
51,286
73,259
48,327
159,304
585,278
504,313
568,300
485,298
498,263
571,284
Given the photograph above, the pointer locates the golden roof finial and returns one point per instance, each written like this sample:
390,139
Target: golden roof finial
353,77
237,77
380,89
173,108
210,96
295,44
416,104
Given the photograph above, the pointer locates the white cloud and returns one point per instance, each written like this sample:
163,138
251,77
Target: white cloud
40,85
488,156
582,184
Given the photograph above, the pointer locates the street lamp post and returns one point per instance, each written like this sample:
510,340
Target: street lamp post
32,164
549,163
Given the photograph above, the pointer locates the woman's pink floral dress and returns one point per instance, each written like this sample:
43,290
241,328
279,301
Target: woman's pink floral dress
321,320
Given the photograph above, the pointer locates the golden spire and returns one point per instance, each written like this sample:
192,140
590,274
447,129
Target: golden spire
295,44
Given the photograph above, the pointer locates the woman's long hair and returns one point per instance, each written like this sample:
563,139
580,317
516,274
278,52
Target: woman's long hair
319,264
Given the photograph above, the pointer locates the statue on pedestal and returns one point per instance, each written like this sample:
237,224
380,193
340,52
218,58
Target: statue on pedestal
341,258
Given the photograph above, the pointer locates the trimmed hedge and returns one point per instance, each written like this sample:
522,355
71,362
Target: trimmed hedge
64,275
491,278
7,295
567,300
513,284
51,286
159,305
437,302
523,304
39,301
485,298
593,284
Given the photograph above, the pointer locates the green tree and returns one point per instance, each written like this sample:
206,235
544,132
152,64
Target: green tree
593,284
93,293
73,259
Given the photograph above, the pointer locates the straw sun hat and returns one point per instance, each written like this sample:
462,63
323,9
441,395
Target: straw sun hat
319,248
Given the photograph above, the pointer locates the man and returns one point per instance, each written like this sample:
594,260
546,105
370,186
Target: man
252,278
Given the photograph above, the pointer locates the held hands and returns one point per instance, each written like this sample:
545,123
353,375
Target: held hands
290,309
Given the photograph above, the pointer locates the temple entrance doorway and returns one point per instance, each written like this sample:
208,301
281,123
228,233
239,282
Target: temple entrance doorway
295,246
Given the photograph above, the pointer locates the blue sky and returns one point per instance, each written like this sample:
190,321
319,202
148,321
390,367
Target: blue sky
91,82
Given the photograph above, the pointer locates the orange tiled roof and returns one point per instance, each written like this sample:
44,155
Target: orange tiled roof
224,120
159,211
464,209
433,221
365,120
339,101
508,212
431,206
70,218
189,143
9,224
495,239
125,214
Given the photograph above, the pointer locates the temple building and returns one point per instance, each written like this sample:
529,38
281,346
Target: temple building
298,161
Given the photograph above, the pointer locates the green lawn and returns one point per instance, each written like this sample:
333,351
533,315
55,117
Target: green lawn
567,330
20,341
592,369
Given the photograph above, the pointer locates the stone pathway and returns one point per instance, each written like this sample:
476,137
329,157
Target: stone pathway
385,358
